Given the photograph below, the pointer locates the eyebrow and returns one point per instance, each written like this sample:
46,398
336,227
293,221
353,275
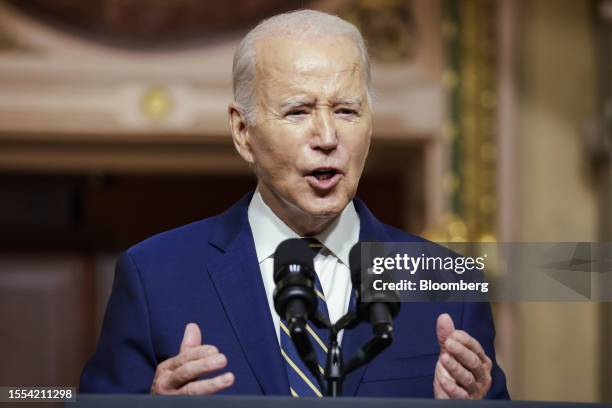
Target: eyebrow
353,101
306,101
296,101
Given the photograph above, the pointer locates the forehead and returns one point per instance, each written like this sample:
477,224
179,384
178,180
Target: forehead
287,66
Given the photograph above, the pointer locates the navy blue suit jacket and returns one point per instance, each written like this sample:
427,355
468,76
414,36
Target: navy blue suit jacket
207,272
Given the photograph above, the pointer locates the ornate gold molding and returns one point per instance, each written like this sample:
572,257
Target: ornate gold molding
389,27
470,80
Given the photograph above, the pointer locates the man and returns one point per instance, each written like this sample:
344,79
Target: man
302,119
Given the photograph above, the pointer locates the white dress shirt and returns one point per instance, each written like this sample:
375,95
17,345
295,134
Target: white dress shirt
331,263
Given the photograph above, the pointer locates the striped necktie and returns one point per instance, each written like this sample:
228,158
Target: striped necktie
301,382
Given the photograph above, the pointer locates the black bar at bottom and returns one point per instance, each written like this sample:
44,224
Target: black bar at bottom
142,401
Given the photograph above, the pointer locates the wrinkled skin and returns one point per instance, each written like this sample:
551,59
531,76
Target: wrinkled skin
312,112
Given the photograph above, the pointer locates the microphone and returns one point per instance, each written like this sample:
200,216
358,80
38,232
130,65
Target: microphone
295,299
294,296
384,305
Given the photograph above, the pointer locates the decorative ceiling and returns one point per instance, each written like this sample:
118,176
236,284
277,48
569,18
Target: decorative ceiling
153,24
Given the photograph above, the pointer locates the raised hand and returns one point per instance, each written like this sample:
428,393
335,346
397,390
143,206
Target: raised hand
178,375
463,370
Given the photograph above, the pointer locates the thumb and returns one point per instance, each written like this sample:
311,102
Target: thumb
192,337
444,328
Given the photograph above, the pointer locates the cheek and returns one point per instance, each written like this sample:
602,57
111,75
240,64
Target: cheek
278,142
275,159
359,151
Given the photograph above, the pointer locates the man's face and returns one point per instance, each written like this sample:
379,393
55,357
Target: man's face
313,126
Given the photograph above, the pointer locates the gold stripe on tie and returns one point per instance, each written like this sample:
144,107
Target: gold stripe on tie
293,393
316,337
301,374
319,294
309,329
285,329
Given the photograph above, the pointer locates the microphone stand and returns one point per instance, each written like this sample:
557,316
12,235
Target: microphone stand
294,298
335,370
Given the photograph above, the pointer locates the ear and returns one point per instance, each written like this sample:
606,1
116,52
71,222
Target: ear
240,132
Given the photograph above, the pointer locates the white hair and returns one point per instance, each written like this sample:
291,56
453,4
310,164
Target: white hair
297,24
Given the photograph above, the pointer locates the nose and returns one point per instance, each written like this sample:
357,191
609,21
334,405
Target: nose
325,134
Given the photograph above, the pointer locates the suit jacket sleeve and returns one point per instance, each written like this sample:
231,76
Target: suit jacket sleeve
124,361
478,322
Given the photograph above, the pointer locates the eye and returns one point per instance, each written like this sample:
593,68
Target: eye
346,111
296,112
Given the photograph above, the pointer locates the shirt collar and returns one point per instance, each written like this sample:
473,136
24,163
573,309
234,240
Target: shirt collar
269,230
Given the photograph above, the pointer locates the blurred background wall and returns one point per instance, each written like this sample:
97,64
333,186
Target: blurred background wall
492,123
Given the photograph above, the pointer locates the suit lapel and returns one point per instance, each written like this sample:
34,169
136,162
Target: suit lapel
371,230
238,282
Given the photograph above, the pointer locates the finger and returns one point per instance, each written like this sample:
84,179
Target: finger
195,368
470,342
466,357
447,383
192,337
195,353
209,386
444,328
439,392
441,372
461,376
453,389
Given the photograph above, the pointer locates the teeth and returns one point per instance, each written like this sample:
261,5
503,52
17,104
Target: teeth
324,174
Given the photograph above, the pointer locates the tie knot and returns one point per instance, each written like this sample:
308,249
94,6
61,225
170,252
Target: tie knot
314,244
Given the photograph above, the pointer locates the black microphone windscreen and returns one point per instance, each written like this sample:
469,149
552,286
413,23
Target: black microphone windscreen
292,251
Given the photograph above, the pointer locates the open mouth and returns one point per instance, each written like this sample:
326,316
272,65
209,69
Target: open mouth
323,174
324,179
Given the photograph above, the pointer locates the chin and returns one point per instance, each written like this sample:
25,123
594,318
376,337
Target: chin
326,207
